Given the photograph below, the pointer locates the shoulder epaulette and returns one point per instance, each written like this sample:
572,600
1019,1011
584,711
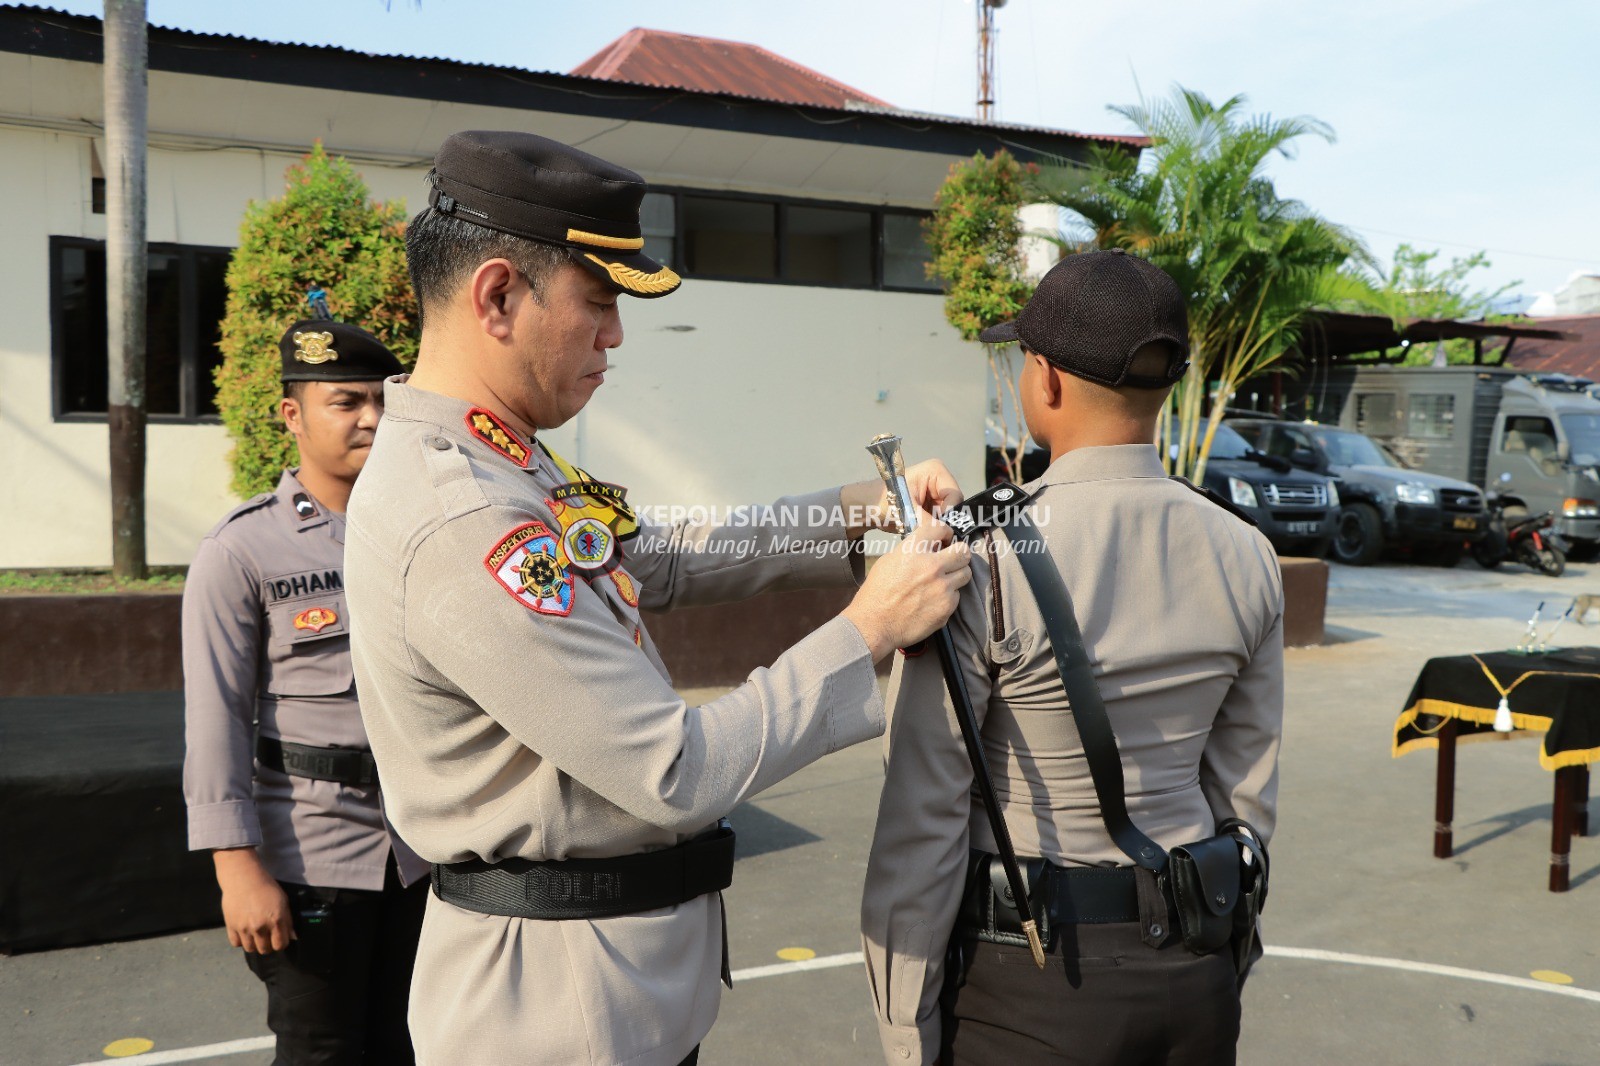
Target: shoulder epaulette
1216,498
992,508
254,503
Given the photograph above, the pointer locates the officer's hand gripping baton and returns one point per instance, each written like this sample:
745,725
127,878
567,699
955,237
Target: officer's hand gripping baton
885,449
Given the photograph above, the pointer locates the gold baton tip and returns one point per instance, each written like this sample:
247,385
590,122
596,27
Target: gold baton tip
1031,928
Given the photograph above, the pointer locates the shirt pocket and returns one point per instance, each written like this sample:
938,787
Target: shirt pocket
1010,649
308,648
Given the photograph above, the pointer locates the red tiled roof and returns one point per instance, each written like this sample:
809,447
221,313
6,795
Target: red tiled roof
710,65
1578,356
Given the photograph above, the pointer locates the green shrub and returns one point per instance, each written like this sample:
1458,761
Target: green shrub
973,237
323,232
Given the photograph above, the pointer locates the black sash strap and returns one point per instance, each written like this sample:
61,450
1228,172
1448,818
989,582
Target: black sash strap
567,889
1094,728
348,766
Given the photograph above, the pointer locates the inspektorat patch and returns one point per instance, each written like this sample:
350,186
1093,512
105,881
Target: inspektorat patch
526,564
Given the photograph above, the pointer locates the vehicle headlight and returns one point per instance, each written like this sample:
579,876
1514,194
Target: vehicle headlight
1243,493
1411,492
1333,494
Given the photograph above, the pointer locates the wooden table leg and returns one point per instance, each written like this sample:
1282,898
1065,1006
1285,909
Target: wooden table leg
1580,801
1444,796
1561,818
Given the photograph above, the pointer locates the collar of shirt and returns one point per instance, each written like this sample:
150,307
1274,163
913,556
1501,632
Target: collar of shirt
1112,462
406,403
288,486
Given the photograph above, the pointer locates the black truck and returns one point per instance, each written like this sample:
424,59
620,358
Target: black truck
1383,503
1295,508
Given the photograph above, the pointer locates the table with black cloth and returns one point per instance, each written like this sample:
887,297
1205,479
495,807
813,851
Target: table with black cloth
1555,692
93,842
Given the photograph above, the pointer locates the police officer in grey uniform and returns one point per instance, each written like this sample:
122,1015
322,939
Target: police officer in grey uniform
280,784
1180,605
530,741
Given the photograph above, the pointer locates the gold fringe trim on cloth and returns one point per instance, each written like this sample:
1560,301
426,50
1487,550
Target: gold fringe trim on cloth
1526,725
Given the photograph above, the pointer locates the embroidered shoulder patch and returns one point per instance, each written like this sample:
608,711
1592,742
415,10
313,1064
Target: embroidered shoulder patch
625,586
527,566
994,506
489,428
316,619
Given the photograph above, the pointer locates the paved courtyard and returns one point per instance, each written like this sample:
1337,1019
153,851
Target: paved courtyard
1379,952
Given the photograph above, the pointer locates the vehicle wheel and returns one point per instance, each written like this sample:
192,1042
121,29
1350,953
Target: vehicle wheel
1487,555
1445,555
1552,562
1357,536
1584,551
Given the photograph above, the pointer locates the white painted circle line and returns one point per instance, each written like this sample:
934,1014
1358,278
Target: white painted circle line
1318,955
853,958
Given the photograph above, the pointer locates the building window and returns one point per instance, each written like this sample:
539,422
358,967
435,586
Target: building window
827,246
1376,414
735,239
905,254
732,237
184,305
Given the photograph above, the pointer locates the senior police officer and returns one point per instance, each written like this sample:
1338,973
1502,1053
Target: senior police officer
278,778
529,737
1180,607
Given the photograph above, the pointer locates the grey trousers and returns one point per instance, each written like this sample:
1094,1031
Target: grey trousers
1103,999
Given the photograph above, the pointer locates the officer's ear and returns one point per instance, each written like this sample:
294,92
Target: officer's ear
289,407
1046,379
492,290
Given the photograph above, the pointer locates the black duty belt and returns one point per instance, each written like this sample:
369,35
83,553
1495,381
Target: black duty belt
1079,895
348,766
566,889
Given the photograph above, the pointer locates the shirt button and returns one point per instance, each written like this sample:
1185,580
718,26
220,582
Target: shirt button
904,1052
440,444
1155,929
1013,643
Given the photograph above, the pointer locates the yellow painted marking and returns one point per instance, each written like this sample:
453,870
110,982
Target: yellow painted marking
1554,977
802,954
138,1045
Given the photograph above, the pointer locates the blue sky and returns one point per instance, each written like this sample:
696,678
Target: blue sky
1462,124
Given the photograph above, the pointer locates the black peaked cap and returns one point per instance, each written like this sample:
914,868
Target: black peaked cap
530,186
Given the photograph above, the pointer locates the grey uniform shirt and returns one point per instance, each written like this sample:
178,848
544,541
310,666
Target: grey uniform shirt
266,636
518,709
1181,608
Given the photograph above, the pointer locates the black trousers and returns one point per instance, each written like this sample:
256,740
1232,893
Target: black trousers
1104,998
337,995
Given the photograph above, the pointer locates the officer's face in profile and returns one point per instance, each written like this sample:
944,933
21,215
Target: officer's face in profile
563,339
333,422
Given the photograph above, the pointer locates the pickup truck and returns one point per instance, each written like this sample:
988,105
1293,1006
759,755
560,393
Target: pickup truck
1383,503
1296,509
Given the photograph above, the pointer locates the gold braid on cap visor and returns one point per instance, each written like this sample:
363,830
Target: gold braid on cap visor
663,280
600,240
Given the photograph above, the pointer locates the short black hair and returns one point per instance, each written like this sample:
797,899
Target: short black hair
293,390
442,252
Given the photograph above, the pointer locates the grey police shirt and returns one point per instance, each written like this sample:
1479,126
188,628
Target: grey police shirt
266,636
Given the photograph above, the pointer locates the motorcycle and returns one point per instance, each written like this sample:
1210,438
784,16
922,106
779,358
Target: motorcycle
1531,541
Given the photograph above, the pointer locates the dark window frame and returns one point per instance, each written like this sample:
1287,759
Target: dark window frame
188,332
783,203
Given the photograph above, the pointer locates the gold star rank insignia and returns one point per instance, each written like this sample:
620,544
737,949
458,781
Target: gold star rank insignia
488,427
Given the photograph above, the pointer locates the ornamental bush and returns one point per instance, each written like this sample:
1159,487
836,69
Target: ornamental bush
322,233
973,237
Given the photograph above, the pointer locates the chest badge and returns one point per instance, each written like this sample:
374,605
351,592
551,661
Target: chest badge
316,619
625,586
489,428
526,564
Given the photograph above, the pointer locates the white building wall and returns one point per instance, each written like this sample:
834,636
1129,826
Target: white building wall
775,390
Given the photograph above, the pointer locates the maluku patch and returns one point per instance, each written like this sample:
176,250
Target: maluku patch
527,564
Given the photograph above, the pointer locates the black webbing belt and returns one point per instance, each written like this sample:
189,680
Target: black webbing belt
348,766
1088,712
590,888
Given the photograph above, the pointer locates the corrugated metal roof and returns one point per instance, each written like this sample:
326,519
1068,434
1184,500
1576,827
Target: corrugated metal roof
712,65
573,82
1577,354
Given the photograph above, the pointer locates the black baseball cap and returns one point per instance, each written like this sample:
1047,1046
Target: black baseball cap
320,349
530,186
1093,311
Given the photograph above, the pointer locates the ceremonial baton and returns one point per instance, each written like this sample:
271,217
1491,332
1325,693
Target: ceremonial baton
885,449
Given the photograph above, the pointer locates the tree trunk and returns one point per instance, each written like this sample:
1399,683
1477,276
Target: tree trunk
126,106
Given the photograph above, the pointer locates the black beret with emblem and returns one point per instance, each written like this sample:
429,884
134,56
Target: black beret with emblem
320,349
533,187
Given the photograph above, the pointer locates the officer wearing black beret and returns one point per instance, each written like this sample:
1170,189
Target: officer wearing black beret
531,742
313,880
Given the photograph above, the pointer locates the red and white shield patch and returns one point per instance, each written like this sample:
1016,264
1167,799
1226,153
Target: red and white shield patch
527,566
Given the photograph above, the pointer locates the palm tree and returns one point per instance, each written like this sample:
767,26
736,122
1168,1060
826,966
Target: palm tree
1199,205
